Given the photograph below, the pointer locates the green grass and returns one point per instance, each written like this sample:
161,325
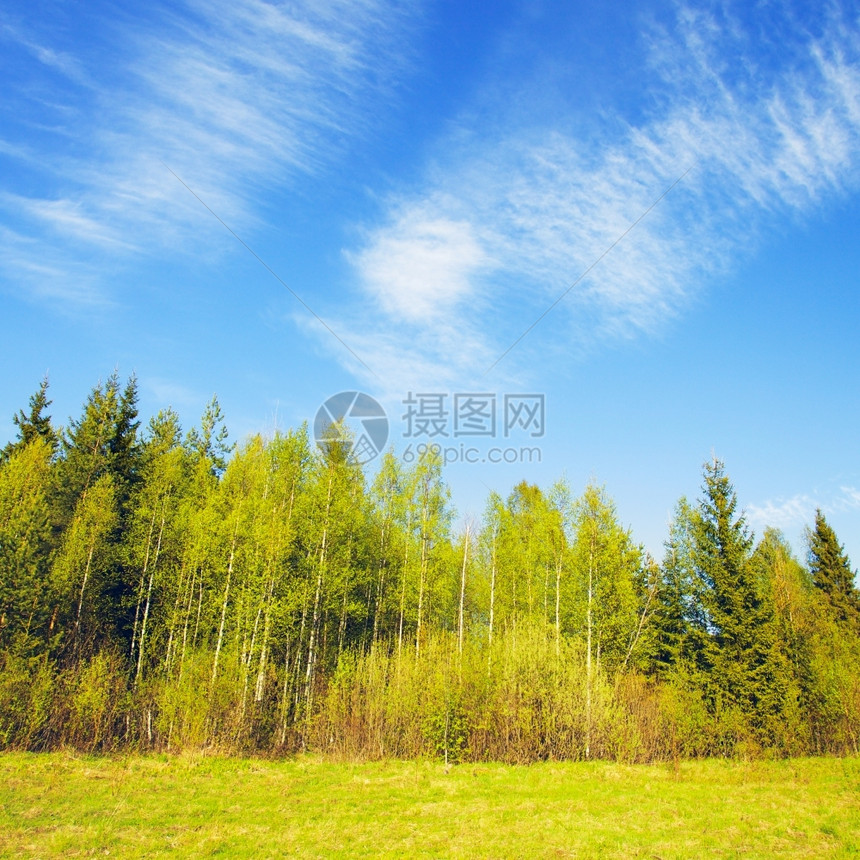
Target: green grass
61,805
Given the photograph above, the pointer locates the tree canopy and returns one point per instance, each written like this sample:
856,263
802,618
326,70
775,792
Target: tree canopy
172,590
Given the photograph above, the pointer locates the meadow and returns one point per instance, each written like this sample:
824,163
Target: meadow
65,805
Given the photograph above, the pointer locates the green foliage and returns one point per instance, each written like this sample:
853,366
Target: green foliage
33,425
832,575
81,574
98,699
677,612
181,717
210,443
727,589
28,697
605,565
25,546
102,442
171,594
735,648
446,731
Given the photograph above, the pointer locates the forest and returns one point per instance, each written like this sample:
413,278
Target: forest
167,590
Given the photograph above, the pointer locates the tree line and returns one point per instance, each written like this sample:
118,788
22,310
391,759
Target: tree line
161,590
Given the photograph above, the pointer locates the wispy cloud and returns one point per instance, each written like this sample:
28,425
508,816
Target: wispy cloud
783,514
533,204
60,61
235,97
848,500
65,217
798,511
37,272
176,395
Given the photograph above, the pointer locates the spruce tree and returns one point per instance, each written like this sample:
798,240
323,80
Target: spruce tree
124,444
744,674
33,425
99,449
210,442
721,552
103,441
673,623
831,572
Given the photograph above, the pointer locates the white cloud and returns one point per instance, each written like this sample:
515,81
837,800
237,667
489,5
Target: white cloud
543,204
235,97
798,511
176,395
66,217
783,514
60,61
849,500
31,270
421,267
405,357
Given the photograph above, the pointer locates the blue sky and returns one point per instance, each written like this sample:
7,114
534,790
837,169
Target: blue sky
429,179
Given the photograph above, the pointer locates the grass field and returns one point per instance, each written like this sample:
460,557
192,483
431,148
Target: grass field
60,805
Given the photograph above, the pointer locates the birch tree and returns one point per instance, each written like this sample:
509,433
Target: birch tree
82,567
25,546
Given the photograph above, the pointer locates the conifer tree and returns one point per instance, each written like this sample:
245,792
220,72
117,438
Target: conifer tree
124,444
33,425
211,443
729,599
103,441
673,622
742,668
832,688
831,572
